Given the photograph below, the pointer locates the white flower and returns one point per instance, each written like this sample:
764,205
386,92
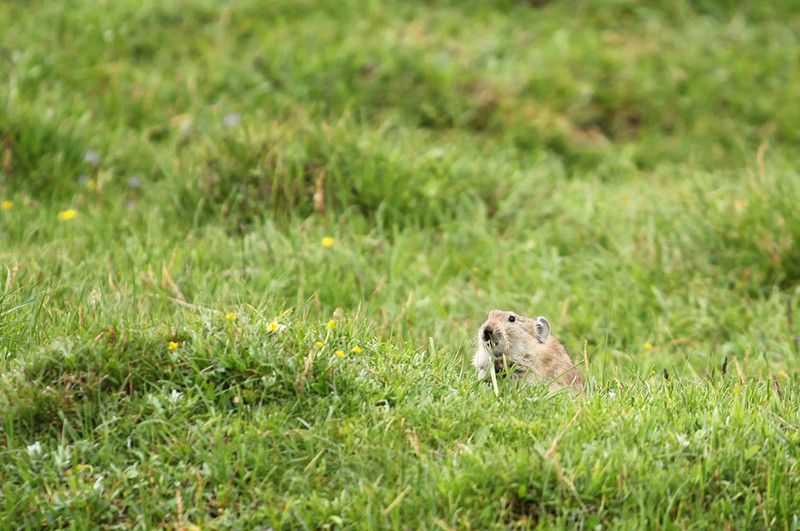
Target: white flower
174,397
61,457
35,450
154,401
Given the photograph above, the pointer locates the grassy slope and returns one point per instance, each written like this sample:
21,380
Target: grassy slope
627,171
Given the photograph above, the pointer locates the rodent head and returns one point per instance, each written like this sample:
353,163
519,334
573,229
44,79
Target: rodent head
512,334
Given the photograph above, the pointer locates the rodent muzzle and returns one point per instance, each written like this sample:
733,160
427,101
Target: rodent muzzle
493,335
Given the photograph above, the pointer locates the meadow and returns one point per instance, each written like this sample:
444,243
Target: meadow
245,248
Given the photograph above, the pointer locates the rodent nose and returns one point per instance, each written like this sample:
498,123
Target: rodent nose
487,333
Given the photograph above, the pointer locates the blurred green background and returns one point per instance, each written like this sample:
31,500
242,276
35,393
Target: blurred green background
626,169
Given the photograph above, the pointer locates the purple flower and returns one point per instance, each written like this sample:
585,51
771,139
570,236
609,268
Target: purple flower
232,119
134,182
91,157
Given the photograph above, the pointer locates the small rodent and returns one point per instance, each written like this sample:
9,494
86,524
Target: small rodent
529,350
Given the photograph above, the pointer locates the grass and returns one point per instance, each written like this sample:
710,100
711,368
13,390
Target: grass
179,349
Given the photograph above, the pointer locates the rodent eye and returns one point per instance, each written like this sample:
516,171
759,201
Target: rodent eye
511,318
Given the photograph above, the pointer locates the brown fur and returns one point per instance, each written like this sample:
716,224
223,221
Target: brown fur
525,346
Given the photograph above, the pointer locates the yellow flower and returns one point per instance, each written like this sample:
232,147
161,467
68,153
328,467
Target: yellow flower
230,316
340,353
67,215
7,205
274,326
173,345
319,344
328,242
356,349
332,324
648,346
91,184
652,373
82,467
736,389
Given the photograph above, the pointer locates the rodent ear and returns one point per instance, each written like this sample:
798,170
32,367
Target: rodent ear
541,328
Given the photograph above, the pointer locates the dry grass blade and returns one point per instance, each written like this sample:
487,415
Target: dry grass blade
777,386
308,369
396,501
179,502
12,276
739,371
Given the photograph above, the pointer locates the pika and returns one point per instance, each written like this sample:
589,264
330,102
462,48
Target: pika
529,350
